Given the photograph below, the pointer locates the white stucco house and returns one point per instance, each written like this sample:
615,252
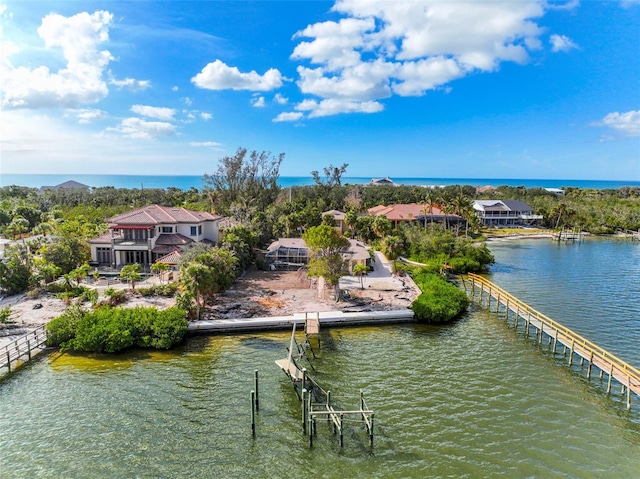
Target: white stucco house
145,234
504,212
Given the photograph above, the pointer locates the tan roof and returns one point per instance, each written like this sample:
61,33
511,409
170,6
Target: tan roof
337,215
357,251
287,243
173,239
103,239
405,212
155,215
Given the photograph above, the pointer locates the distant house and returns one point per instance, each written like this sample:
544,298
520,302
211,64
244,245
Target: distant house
338,219
67,185
146,234
382,182
293,253
557,191
504,212
421,213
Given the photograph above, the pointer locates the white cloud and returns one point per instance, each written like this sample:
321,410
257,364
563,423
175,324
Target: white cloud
288,116
137,128
80,81
206,144
160,113
258,102
187,101
174,88
219,76
561,43
627,123
280,100
407,48
206,116
131,84
331,107
87,115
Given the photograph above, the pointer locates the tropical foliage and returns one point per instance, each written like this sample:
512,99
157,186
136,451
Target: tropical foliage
111,330
440,301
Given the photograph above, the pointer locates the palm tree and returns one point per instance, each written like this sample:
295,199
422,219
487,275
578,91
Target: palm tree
360,270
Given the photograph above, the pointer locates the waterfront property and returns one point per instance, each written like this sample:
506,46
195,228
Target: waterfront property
504,212
146,234
293,254
67,185
413,212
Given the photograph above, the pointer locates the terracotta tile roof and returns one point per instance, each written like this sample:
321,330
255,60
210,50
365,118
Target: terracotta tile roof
165,249
155,214
171,258
103,239
405,212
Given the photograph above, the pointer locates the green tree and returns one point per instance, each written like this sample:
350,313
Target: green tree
360,270
160,269
326,246
15,270
393,247
131,274
382,226
251,176
205,275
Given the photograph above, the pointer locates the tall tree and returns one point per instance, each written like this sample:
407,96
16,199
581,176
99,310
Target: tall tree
326,246
248,175
206,274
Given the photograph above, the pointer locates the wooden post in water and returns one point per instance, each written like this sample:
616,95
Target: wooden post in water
253,413
304,411
9,361
341,430
589,366
371,431
555,341
628,392
517,317
541,331
609,380
328,405
29,349
255,386
573,343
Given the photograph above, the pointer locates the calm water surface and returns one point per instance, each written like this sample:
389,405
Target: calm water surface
473,399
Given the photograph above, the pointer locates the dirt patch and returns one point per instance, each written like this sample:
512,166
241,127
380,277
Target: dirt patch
282,293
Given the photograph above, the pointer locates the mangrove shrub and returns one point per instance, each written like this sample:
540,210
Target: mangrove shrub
440,301
110,330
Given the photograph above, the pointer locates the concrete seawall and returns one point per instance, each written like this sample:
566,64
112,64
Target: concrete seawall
327,318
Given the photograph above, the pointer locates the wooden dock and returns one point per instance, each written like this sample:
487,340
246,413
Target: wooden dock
557,335
23,348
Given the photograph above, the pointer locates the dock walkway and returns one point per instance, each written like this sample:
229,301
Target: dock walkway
326,318
557,334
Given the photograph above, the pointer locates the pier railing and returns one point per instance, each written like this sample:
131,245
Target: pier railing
627,375
27,345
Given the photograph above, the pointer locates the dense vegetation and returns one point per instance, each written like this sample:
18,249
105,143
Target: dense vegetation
51,229
440,301
110,330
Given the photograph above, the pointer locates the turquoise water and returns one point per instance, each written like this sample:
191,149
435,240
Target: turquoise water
472,399
186,182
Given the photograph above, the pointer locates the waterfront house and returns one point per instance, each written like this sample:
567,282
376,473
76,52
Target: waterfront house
382,182
67,185
421,213
504,212
293,254
146,234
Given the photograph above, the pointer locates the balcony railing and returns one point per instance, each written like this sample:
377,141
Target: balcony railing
131,242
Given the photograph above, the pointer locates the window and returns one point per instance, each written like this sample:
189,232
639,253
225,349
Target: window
194,231
166,229
199,229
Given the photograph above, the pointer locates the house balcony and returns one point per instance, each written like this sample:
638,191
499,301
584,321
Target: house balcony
131,244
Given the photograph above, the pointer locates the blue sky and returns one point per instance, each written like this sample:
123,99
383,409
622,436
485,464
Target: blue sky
462,89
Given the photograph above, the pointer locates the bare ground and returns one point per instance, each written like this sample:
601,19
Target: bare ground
256,294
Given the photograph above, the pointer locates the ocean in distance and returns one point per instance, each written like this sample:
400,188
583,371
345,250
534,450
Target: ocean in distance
195,181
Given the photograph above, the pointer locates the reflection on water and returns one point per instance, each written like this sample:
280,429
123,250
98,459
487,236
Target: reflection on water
472,399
